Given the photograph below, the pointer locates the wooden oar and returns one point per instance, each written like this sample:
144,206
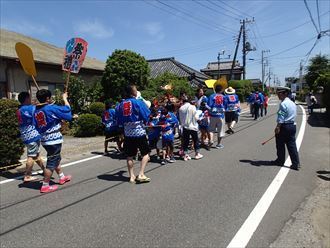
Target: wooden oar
25,56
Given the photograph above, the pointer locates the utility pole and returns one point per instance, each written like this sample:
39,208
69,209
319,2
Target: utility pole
245,21
222,53
234,59
244,48
263,68
300,74
269,79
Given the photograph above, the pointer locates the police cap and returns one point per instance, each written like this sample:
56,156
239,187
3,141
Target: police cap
282,89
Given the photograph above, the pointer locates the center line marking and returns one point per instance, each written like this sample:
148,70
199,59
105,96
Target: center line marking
244,234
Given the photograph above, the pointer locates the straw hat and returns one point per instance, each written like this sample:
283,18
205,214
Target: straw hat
230,90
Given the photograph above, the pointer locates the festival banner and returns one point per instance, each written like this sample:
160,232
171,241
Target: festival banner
74,55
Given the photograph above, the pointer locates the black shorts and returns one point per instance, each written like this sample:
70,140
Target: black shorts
153,143
231,116
131,146
112,136
168,143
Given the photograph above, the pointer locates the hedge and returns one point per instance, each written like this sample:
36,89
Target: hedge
88,125
11,146
97,108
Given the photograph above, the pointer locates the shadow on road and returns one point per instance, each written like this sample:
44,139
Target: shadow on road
319,120
325,175
260,162
118,176
113,155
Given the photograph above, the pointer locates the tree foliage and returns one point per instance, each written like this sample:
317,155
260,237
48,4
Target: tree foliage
178,84
242,87
317,70
124,67
11,146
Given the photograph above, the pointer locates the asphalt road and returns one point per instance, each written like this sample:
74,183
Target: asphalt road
187,204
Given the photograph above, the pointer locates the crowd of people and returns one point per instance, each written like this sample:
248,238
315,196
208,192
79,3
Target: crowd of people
137,128
258,102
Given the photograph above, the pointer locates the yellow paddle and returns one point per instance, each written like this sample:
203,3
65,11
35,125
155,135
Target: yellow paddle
25,56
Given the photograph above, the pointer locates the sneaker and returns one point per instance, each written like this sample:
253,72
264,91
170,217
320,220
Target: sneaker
171,160
158,158
199,156
186,158
163,162
48,189
219,146
64,179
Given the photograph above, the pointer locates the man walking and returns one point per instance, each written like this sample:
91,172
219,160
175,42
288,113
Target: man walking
217,112
132,114
285,130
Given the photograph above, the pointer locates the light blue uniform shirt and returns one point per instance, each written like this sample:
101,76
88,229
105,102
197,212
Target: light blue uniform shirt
287,112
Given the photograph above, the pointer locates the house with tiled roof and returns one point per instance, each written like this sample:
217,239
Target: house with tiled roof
48,61
215,70
170,65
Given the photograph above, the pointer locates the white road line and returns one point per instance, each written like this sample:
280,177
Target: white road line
244,234
64,165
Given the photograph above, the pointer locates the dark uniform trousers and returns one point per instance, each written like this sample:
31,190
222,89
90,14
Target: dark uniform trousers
287,136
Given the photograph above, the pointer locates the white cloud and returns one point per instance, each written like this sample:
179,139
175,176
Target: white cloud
26,27
154,31
94,29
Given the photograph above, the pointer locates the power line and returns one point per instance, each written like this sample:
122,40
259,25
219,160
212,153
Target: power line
220,7
293,28
194,18
207,7
310,15
190,19
235,18
242,13
318,14
291,48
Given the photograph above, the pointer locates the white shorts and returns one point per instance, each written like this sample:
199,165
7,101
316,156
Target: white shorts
217,124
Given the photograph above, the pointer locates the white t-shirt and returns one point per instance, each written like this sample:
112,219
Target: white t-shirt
188,116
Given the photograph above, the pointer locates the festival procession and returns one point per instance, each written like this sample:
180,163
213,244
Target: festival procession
151,152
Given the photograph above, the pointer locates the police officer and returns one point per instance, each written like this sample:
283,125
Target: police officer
285,130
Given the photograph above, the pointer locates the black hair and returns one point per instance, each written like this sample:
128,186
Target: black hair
42,95
22,96
169,106
218,88
129,90
108,104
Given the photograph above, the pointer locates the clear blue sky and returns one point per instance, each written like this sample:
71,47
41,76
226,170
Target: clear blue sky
191,31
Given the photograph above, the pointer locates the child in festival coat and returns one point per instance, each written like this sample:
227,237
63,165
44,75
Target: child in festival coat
168,121
48,119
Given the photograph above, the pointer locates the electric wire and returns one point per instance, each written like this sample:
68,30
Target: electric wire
310,15
318,14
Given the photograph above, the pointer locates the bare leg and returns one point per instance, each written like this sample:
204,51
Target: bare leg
130,164
40,162
28,170
106,146
144,162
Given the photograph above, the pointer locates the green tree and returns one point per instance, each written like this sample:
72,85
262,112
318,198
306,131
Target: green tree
179,84
124,67
77,90
318,66
242,87
95,91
